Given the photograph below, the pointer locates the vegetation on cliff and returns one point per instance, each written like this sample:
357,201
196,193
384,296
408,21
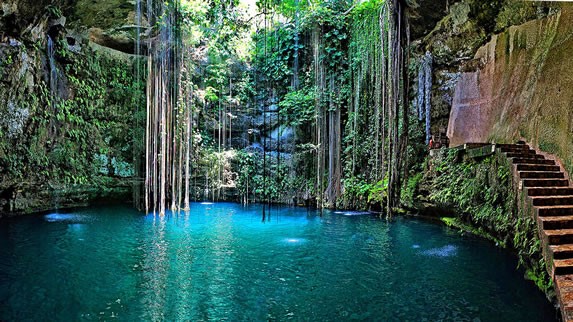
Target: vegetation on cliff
478,196
68,116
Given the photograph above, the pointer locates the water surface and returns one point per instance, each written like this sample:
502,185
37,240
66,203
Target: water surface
221,262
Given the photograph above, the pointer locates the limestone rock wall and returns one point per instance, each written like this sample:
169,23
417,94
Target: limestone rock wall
67,110
465,26
521,89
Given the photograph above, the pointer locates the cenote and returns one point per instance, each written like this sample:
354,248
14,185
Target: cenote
219,261
128,113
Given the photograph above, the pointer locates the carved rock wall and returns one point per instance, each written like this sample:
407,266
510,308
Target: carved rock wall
522,89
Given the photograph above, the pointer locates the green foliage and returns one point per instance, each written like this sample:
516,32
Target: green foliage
260,183
335,53
409,193
54,12
455,222
273,55
363,132
247,169
90,115
8,61
515,13
211,94
297,107
359,194
216,46
550,147
365,8
355,193
483,11
378,192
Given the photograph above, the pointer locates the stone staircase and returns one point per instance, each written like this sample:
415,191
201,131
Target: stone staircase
550,196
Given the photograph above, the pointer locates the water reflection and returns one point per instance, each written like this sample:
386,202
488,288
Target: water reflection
220,262
155,270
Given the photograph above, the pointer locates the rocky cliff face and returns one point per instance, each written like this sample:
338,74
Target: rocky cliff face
67,109
465,27
522,88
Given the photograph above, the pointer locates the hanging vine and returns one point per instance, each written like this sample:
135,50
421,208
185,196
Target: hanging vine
347,76
376,130
166,115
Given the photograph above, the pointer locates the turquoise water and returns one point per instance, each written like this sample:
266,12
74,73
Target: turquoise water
221,262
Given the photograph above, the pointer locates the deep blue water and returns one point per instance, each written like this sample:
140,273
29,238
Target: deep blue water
221,262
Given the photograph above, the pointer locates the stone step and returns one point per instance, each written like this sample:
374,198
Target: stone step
550,191
537,167
511,145
517,149
473,145
545,183
552,200
562,251
525,155
558,236
554,211
563,266
564,289
541,175
556,222
520,160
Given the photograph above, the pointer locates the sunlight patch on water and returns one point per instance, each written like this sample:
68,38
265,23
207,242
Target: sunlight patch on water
206,203
76,227
352,213
446,251
55,217
294,241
